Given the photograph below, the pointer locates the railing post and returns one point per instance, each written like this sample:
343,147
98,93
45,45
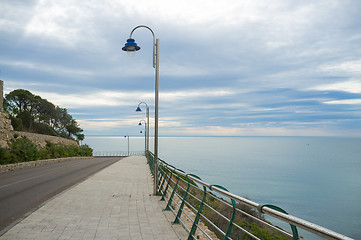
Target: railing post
230,224
163,176
167,208
293,227
158,174
166,188
196,220
176,220
151,163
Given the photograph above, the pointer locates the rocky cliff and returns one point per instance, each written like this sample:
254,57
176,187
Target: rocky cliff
6,130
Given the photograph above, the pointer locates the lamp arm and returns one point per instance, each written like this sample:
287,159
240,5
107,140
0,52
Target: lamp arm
143,103
154,44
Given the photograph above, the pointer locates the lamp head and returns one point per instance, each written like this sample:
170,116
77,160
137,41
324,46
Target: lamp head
141,131
138,109
130,47
140,124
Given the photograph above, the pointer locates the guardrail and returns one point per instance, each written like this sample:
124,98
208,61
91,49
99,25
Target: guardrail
117,153
202,209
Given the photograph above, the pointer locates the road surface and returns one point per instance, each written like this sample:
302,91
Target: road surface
23,190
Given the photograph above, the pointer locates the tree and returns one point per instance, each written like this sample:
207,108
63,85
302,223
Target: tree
19,100
32,113
80,137
61,121
20,104
43,110
27,119
73,129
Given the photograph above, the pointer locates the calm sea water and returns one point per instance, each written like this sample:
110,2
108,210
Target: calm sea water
315,178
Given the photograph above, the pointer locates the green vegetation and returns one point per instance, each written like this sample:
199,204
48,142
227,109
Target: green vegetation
262,231
31,113
258,229
24,150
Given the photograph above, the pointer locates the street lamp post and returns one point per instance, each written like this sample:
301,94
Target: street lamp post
145,134
131,47
147,124
128,143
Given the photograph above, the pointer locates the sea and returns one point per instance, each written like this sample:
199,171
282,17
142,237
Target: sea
317,179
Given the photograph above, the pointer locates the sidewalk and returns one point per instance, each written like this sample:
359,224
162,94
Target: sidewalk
115,203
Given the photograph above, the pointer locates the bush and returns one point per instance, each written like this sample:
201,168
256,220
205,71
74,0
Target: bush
56,151
4,156
86,150
23,150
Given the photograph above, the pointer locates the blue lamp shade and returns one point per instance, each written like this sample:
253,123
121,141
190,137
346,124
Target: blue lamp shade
138,109
130,46
140,124
141,131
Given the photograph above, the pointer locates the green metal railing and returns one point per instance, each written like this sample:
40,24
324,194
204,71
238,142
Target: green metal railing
150,157
215,213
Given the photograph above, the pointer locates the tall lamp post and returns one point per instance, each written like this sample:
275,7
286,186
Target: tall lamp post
131,47
147,124
145,134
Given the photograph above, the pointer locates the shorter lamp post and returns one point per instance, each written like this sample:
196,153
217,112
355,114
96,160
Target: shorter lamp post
147,123
145,135
128,143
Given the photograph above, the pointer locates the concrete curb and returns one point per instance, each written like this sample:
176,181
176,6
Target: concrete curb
37,163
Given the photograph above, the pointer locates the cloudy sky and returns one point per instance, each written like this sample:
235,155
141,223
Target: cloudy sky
227,68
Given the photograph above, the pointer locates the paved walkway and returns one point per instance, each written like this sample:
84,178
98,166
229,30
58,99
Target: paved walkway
115,203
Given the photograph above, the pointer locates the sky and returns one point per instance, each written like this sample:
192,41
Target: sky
227,68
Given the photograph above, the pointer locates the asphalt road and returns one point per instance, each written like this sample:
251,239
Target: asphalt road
24,190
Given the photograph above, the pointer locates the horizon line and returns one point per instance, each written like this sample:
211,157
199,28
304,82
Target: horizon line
125,135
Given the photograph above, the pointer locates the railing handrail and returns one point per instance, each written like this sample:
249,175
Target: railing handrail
308,226
118,153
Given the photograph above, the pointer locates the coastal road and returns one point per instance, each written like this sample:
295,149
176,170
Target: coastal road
23,190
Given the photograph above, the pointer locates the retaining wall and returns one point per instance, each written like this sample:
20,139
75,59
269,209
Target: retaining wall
7,133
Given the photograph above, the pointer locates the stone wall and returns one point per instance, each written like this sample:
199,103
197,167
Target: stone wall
6,130
40,139
7,133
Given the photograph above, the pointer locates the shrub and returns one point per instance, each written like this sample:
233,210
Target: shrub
4,156
56,151
86,150
23,150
